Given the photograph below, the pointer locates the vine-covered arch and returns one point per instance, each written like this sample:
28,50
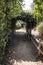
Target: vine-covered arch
27,18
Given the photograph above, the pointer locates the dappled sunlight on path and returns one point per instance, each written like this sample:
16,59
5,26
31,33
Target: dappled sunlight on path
14,62
21,30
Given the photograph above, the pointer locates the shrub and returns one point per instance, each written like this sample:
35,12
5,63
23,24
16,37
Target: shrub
40,28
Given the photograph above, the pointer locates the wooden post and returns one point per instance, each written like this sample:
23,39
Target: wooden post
39,47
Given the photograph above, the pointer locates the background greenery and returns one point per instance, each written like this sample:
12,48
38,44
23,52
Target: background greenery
37,12
38,9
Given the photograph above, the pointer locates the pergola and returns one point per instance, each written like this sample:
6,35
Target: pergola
25,17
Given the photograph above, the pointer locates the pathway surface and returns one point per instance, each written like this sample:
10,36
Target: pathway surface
20,51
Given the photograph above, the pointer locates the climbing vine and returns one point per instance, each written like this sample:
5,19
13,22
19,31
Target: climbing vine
8,10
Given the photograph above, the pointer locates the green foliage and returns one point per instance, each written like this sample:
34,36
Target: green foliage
15,8
40,28
3,30
8,10
38,9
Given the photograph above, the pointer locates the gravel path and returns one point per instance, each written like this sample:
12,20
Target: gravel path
20,51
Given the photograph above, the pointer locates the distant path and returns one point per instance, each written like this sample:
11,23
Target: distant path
20,51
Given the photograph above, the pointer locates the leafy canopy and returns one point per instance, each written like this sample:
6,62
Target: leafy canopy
38,9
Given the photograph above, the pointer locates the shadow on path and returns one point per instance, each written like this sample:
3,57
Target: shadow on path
19,48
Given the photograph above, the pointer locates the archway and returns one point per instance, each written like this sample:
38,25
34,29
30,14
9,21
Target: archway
26,18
